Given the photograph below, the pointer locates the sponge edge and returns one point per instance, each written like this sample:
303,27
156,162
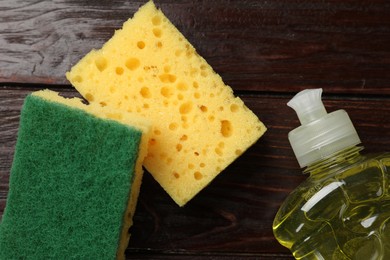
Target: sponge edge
74,181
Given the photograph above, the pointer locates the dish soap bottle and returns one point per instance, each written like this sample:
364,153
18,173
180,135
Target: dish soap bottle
342,210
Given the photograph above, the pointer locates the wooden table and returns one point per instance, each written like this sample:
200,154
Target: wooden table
266,50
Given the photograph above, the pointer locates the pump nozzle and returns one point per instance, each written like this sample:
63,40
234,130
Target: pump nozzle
321,134
308,105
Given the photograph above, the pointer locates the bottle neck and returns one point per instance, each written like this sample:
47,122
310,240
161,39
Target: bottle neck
335,161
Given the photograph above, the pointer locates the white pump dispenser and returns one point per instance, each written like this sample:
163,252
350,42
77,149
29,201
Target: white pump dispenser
320,134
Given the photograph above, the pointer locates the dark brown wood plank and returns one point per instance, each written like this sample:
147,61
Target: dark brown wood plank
232,217
189,256
273,46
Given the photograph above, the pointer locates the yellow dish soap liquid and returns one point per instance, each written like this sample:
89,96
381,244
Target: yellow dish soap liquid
342,210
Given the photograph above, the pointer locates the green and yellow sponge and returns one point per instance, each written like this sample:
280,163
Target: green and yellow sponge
74,181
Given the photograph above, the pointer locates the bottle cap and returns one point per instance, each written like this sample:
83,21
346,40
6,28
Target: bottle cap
320,134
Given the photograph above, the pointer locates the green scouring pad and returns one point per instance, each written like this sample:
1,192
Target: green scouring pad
74,181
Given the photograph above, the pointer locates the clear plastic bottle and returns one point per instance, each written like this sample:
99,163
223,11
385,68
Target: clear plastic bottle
342,210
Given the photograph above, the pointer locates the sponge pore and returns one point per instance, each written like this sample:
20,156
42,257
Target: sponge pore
70,184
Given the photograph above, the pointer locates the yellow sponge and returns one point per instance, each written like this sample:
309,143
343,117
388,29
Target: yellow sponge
199,126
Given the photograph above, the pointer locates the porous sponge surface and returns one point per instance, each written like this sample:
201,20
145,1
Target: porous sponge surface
199,127
69,184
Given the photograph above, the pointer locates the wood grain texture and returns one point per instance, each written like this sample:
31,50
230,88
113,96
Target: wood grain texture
279,45
266,51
